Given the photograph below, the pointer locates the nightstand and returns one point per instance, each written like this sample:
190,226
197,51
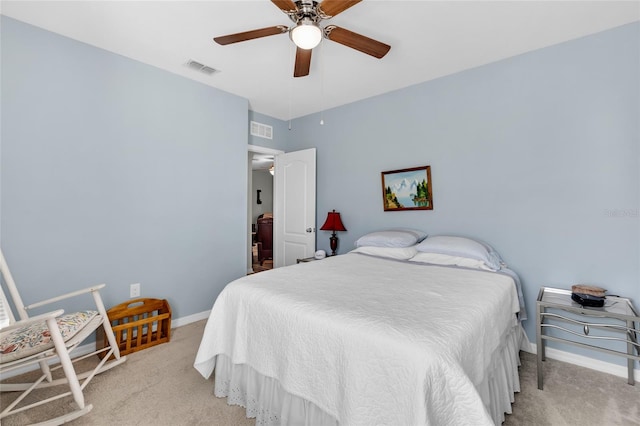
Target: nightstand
617,321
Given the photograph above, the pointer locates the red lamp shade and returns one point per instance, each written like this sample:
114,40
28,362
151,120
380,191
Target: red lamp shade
333,224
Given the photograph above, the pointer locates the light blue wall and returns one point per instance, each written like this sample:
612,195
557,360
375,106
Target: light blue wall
263,181
114,171
280,131
537,155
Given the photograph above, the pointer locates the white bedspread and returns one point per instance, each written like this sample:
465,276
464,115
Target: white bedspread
368,340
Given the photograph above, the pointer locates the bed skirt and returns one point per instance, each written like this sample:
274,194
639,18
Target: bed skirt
266,401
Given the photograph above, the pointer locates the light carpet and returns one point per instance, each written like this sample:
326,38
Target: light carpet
159,386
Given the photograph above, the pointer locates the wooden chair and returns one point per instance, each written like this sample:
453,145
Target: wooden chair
41,341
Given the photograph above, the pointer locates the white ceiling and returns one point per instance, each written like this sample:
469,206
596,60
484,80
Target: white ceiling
261,161
428,39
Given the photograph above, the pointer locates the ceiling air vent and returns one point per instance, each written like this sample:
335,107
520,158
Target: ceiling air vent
195,65
261,130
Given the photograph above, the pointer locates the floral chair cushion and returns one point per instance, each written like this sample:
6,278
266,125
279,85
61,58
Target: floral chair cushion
25,341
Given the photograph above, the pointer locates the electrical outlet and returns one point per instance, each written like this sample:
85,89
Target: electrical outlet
134,290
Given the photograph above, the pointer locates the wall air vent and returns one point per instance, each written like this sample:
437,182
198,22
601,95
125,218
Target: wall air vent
195,65
261,130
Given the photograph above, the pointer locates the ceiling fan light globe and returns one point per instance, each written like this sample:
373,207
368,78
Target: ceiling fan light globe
306,36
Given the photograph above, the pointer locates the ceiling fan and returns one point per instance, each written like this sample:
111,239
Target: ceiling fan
307,33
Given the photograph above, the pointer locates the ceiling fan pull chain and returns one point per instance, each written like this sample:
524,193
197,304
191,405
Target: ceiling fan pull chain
290,87
322,58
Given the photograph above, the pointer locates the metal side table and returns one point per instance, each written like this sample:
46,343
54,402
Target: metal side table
622,320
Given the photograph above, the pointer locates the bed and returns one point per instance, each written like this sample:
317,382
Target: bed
383,335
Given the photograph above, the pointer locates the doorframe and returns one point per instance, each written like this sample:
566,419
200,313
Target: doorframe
258,150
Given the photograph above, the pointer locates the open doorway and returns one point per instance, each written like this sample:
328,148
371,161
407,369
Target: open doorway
260,199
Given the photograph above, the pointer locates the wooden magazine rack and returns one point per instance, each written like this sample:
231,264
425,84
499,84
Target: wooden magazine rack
140,323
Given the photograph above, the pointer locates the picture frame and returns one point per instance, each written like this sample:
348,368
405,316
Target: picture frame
407,189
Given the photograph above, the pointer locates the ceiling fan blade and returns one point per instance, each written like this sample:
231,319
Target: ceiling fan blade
303,62
285,5
331,8
356,41
250,35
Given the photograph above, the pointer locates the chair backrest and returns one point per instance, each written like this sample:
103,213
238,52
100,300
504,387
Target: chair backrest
6,315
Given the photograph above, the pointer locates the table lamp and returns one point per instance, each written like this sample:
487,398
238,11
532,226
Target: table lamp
333,224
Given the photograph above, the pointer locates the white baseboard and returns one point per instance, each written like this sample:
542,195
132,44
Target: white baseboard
179,322
583,361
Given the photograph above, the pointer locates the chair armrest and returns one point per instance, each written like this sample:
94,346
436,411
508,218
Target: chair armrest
66,296
33,320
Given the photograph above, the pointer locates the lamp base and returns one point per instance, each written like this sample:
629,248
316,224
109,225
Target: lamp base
333,243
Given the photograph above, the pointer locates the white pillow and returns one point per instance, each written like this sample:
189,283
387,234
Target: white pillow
391,238
445,259
401,253
461,247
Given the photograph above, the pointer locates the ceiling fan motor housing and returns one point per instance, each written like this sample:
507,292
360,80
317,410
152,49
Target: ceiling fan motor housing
306,10
306,34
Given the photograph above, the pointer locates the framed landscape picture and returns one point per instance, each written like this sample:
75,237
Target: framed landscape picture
407,189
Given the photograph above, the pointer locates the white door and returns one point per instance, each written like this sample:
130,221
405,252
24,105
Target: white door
294,210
